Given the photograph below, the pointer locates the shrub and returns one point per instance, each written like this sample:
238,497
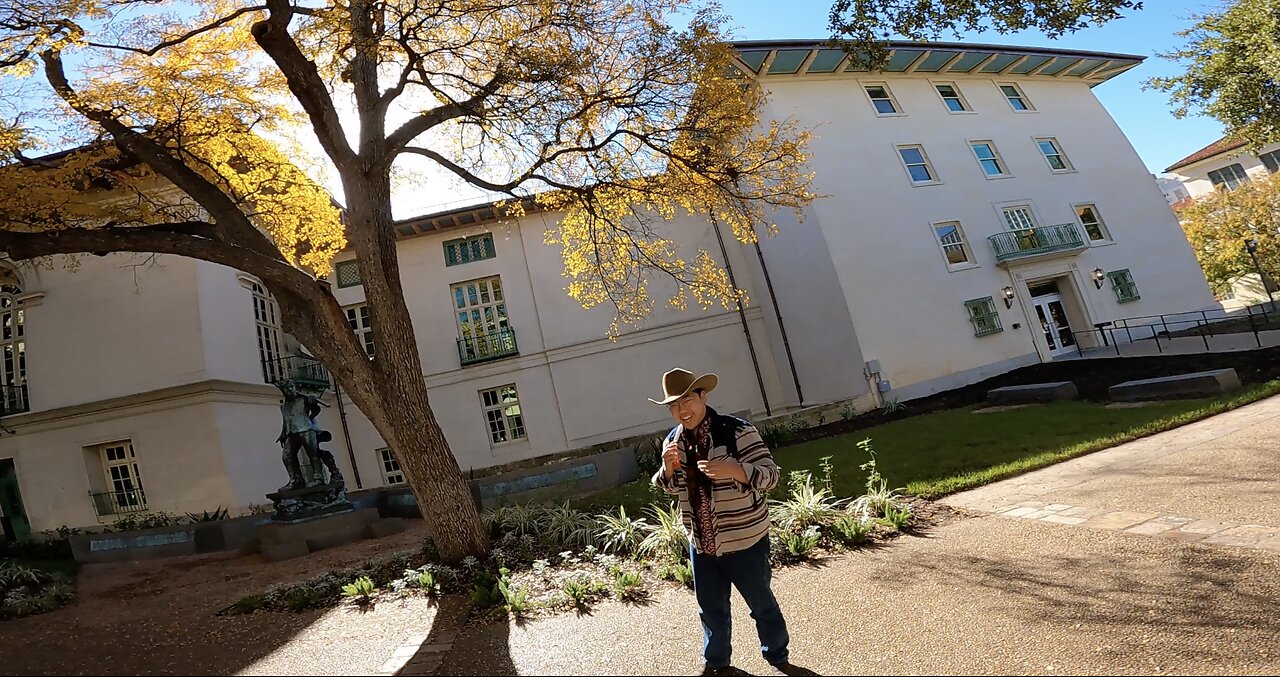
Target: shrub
879,499
25,590
216,516
565,527
520,519
427,581
798,545
628,585
621,533
580,590
146,520
804,505
852,530
360,588
681,573
667,538
896,517
515,600
246,605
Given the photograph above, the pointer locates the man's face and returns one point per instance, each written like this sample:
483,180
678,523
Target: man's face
689,410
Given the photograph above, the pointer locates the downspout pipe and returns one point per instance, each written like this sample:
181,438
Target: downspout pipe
346,434
777,311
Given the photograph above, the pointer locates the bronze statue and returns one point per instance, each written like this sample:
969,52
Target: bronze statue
300,432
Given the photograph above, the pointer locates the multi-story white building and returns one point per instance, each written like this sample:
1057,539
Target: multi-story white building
981,212
1225,163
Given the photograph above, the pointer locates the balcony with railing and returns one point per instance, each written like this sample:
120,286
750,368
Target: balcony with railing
1035,243
303,370
485,347
123,502
13,399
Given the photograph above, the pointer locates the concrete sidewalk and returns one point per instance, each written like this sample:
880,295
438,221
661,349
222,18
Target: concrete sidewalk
985,595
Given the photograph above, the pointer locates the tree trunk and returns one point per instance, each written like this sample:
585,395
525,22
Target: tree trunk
399,392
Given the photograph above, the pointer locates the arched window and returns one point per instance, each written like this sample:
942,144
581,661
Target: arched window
266,315
13,345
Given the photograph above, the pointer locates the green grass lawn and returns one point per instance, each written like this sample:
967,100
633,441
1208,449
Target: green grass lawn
945,452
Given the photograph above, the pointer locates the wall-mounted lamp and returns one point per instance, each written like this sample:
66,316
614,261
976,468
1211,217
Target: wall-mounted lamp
1007,293
1098,276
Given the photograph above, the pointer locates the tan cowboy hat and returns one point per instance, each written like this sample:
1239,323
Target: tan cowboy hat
680,382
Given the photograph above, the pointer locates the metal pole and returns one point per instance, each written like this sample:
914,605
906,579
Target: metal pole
1261,277
742,315
1254,327
1157,338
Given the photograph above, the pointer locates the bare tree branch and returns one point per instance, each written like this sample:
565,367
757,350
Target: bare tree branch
272,35
185,36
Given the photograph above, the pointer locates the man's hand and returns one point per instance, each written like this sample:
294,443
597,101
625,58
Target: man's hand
723,469
670,458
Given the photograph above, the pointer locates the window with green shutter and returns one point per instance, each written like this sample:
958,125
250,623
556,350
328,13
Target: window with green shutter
348,274
1122,283
983,316
466,250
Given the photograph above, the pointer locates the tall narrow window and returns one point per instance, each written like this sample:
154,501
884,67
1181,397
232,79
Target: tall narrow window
13,341
951,238
266,317
989,158
502,414
391,473
484,332
882,100
951,98
124,481
1018,218
1092,223
1053,154
1229,177
1017,100
362,325
917,164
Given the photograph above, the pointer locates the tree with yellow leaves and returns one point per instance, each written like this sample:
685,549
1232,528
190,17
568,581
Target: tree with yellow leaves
598,110
1218,225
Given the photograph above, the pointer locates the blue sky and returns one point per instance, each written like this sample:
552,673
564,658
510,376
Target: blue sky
1144,116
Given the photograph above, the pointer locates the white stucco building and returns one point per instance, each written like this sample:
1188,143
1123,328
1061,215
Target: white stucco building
1225,163
980,209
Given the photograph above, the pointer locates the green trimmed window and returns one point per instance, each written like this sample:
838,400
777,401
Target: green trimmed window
347,274
1122,284
983,316
466,250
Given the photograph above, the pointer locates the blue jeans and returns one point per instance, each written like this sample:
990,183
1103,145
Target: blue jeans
749,571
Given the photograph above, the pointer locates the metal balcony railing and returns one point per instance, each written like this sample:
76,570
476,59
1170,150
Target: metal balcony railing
305,371
1020,244
122,502
485,347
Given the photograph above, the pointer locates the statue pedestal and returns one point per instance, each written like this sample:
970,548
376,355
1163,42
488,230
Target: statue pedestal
284,540
297,505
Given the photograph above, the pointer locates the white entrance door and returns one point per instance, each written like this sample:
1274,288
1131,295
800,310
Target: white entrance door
1053,322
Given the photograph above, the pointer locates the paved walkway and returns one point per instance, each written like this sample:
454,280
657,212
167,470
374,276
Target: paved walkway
1225,468
1038,591
1143,345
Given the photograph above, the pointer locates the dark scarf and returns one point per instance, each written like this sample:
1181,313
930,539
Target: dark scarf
698,442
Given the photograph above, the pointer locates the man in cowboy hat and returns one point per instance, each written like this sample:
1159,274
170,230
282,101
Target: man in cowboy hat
721,469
